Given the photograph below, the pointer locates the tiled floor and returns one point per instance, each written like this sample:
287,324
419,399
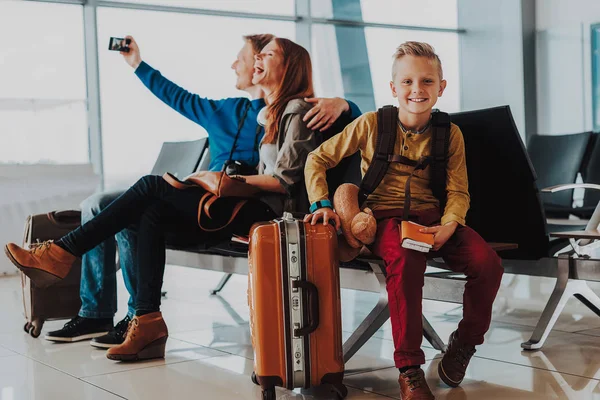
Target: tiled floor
209,355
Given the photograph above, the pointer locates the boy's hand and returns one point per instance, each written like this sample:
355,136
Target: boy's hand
133,58
441,233
325,213
324,112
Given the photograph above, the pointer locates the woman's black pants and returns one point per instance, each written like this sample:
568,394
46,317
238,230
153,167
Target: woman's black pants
160,213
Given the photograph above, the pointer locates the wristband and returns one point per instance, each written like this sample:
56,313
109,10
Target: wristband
320,204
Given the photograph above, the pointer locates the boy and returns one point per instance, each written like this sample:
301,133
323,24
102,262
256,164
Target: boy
417,82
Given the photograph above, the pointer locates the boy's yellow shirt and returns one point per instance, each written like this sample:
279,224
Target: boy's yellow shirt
361,136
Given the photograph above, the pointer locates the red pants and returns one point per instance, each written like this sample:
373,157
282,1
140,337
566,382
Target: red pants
465,252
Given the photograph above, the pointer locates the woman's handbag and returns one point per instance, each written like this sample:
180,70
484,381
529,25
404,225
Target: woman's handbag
217,185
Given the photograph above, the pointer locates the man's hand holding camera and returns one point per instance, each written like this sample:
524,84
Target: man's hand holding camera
133,57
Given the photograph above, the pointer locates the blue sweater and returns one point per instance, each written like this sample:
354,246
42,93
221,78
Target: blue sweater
220,118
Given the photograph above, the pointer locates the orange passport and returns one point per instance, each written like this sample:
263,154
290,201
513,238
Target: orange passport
410,230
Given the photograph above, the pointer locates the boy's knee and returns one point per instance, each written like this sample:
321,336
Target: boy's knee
486,261
404,270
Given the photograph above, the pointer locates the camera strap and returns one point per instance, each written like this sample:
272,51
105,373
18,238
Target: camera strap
237,135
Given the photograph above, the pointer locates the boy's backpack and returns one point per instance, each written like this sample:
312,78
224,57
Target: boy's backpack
387,119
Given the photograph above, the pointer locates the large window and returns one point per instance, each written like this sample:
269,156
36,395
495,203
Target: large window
426,13
43,100
274,7
43,111
194,51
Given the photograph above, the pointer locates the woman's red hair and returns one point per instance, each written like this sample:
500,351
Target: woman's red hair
295,84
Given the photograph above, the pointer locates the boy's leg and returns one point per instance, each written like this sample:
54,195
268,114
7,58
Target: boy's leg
468,253
405,279
98,290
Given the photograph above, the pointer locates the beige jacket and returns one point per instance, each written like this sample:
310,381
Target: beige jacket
295,141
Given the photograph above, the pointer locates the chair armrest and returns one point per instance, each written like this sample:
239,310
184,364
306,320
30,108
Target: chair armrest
558,188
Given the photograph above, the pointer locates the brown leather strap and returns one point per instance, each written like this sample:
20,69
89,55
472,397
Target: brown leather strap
176,183
209,199
207,205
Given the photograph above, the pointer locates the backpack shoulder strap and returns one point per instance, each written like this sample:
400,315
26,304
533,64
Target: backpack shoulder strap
440,142
387,118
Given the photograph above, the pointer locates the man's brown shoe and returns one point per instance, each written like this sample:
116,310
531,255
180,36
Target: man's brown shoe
44,263
146,338
413,385
454,364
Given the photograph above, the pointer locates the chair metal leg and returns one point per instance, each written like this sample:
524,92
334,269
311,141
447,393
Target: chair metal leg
587,296
221,284
563,290
432,336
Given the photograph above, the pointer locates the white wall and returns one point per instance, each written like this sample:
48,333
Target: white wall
564,83
491,56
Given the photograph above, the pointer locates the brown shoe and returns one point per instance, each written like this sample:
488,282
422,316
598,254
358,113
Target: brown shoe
413,385
146,338
44,263
454,364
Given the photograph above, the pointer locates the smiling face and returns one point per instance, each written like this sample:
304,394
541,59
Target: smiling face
268,67
416,84
244,67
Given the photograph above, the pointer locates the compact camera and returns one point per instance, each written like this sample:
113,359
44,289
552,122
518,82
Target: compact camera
119,44
239,168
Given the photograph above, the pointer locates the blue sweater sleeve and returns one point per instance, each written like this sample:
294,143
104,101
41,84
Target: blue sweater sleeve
196,108
354,110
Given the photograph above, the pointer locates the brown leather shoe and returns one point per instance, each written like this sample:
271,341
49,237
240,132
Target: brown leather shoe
146,338
413,385
454,364
44,263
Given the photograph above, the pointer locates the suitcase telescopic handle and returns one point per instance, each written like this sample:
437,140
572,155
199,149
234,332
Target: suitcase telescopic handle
313,301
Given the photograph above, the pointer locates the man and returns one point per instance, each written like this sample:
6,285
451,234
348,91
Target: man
223,119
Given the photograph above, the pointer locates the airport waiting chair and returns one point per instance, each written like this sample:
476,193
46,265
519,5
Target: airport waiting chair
557,159
180,158
591,174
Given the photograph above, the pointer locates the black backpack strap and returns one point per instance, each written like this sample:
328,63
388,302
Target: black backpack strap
421,164
387,120
440,142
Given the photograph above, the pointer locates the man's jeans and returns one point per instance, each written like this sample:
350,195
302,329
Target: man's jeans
98,289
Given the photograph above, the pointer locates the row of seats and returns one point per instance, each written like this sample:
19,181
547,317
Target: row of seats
505,210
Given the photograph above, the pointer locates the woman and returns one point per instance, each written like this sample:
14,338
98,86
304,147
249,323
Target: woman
283,71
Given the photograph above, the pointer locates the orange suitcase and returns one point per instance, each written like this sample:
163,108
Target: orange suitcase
294,299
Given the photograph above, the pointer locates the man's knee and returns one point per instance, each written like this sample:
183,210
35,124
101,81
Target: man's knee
94,204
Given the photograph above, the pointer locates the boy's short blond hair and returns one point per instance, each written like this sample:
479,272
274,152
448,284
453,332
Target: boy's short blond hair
416,49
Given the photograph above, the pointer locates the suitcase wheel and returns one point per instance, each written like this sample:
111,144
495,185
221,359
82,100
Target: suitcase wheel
33,328
269,394
341,391
254,379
